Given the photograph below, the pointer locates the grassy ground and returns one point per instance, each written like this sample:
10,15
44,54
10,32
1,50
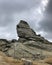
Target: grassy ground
4,60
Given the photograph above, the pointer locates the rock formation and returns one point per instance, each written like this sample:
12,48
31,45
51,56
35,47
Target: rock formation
4,45
25,33
30,45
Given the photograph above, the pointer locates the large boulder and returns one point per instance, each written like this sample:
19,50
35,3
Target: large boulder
24,31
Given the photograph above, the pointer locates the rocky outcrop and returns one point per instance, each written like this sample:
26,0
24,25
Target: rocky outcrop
30,45
25,33
4,45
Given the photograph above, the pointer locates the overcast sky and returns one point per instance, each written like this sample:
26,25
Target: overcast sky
38,13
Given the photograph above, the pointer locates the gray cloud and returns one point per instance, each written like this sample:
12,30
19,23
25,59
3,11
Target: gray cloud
46,23
18,5
10,7
12,11
49,7
6,19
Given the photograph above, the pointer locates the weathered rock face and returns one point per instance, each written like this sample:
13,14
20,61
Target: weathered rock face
24,31
4,45
29,45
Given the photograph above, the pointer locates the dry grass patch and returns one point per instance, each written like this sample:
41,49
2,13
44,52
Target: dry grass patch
48,60
4,60
39,63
